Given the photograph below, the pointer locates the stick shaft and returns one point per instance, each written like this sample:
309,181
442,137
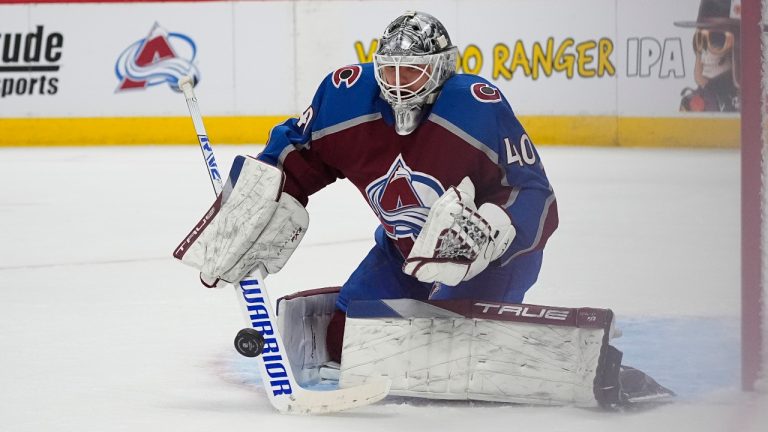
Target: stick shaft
185,84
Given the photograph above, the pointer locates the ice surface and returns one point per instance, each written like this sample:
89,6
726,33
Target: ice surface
101,330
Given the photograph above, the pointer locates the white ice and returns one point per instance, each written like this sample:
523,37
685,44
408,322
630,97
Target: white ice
101,330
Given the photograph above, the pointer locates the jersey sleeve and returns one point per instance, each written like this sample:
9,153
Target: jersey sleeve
529,198
289,148
512,174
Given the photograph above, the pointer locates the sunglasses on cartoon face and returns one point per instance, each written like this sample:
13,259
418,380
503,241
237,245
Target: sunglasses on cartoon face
714,41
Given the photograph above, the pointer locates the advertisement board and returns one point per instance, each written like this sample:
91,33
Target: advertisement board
587,72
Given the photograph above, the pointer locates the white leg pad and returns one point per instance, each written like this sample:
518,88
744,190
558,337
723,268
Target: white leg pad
458,357
302,319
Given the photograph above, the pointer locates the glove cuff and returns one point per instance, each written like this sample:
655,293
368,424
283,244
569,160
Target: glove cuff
502,230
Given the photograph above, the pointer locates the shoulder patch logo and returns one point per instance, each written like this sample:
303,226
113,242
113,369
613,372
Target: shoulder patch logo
485,93
347,75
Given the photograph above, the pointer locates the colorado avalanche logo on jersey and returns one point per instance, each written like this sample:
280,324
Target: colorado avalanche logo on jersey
402,198
347,75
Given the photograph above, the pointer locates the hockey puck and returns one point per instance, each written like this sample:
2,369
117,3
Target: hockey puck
249,342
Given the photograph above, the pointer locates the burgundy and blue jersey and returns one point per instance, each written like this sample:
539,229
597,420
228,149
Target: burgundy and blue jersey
470,130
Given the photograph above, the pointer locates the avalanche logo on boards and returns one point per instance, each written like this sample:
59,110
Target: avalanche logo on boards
160,58
402,198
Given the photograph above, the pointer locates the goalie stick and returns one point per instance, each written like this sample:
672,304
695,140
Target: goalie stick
283,391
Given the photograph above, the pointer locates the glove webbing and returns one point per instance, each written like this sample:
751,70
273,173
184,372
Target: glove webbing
465,238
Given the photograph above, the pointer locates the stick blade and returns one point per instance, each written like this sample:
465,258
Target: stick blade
324,402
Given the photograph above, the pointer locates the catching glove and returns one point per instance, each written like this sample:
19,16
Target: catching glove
458,241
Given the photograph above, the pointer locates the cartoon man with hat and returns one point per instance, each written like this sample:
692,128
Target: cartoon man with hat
717,47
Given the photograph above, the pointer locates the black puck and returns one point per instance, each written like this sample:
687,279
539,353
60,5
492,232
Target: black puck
249,342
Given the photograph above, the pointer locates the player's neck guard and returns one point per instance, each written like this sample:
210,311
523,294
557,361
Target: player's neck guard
407,119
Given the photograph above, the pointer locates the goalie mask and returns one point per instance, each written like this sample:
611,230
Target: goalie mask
414,58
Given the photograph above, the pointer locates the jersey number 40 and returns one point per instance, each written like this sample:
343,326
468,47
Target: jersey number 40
521,154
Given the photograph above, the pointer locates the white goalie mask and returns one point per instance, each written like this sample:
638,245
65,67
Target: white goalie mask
414,58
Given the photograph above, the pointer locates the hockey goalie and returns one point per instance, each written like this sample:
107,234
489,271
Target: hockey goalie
465,210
